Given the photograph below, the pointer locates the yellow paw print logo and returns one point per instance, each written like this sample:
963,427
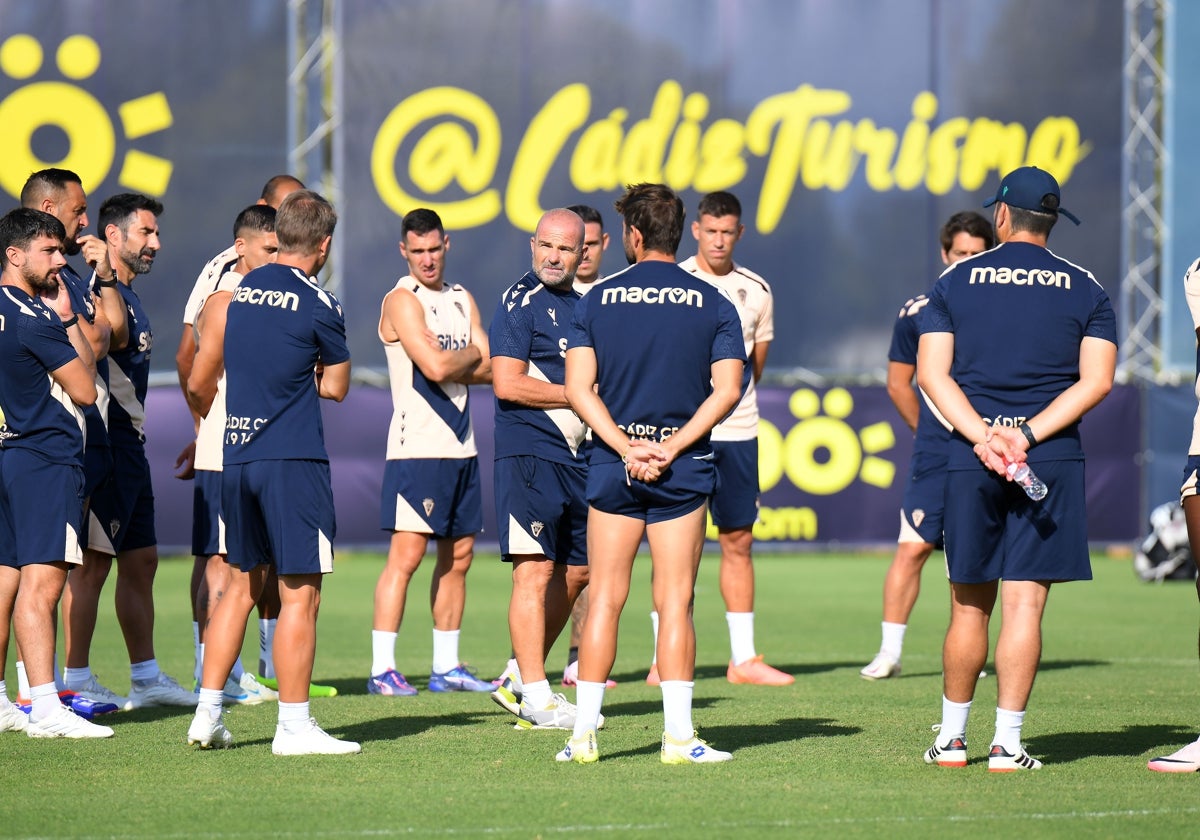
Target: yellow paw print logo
63,116
823,454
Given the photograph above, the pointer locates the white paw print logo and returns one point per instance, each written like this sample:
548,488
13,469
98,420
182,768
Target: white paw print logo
59,116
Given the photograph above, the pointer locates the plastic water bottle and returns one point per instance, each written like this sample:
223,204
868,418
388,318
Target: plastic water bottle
1033,486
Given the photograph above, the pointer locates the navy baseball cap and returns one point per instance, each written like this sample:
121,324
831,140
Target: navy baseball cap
1030,188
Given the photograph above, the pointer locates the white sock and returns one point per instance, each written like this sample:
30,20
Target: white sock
954,720
383,652
293,717
76,677
893,640
589,697
536,695
1008,730
198,651
59,682
3,692
146,671
654,624
44,700
210,701
514,671
266,642
445,651
237,670
741,636
22,680
677,708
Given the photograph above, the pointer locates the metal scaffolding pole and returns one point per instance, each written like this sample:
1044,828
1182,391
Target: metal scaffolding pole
314,105
1144,158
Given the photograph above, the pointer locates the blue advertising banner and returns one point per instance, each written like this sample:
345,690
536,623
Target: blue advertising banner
832,465
850,131
185,102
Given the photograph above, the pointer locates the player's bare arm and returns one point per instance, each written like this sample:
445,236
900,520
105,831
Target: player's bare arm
60,302
333,381
512,382
481,374
904,396
185,354
95,254
209,361
726,391
78,376
101,328
404,320
1097,366
75,378
758,359
583,398
935,354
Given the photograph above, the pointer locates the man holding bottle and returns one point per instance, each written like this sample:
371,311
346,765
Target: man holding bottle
1016,346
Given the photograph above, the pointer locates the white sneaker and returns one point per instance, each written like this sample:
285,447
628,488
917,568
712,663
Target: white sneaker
1001,760
507,696
208,733
581,750
312,741
1183,760
64,723
256,692
881,667
559,713
97,693
12,719
160,691
692,751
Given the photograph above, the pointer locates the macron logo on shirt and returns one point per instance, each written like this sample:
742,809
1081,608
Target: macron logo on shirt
638,294
1021,276
259,297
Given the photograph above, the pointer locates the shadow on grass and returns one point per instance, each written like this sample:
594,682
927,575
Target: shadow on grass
785,730
718,671
1065,747
633,708
391,727
1067,664
348,686
148,713
1047,665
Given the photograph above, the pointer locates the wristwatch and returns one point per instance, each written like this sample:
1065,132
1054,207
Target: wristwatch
1028,432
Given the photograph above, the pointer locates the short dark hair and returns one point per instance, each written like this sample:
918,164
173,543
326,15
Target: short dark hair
46,182
970,223
1032,221
421,221
721,203
303,221
21,226
259,217
657,212
271,189
589,214
120,208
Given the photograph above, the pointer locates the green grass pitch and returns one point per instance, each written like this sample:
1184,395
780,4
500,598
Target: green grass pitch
832,755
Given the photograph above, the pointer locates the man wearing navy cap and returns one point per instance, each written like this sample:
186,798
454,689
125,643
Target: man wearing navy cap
1031,340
